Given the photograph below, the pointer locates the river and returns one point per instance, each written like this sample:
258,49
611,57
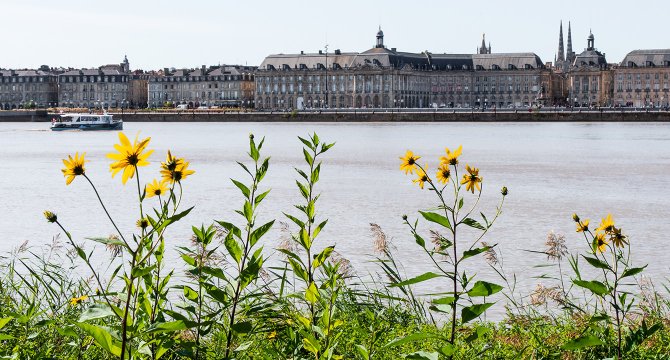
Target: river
550,169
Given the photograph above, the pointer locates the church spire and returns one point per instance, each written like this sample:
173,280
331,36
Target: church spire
561,54
570,54
483,49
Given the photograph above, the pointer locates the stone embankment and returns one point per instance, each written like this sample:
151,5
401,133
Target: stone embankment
367,116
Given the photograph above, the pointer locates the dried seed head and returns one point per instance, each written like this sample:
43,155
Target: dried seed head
490,255
555,246
380,241
113,249
345,269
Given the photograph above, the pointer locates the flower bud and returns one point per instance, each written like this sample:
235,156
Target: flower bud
251,136
404,217
51,217
575,218
142,223
503,191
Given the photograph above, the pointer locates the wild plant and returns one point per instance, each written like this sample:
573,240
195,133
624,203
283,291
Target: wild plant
609,255
318,296
450,216
140,329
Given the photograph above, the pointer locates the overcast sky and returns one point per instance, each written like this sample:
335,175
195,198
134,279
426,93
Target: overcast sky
169,33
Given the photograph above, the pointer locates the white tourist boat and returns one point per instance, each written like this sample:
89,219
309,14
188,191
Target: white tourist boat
103,121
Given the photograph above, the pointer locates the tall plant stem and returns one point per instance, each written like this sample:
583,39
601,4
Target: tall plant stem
106,212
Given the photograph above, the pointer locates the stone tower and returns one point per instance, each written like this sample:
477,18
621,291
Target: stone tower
483,49
561,53
380,39
570,55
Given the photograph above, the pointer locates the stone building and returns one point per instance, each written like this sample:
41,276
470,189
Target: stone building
641,79
590,78
28,88
385,77
226,86
106,87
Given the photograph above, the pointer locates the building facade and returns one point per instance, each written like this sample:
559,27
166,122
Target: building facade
106,87
642,79
222,86
385,78
21,89
590,78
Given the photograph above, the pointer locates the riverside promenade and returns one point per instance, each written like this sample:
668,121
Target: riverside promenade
370,115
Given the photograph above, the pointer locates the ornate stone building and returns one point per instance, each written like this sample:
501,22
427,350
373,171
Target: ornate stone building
387,78
590,78
641,80
27,88
106,87
227,85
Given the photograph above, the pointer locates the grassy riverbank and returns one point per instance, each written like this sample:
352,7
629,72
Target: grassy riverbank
226,302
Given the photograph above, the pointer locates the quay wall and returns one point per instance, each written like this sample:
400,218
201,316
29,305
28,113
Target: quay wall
440,116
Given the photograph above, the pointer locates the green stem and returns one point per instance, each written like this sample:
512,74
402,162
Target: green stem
106,212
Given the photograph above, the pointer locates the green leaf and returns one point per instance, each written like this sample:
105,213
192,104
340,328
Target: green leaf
362,351
632,271
188,259
242,187
311,293
444,301
307,143
295,220
4,321
318,229
250,272
243,346
260,197
139,272
419,240
190,293
582,342
102,338
596,263
108,241
242,327
95,311
248,211
308,158
596,287
473,223
322,256
231,228
259,232
170,326
422,355
410,338
233,247
436,218
472,312
6,337
474,252
311,345
483,288
298,269
423,277
447,350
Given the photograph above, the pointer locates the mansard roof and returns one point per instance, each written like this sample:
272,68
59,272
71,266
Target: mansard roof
91,72
647,58
590,58
389,58
508,61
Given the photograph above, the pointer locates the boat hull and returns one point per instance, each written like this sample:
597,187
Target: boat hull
87,127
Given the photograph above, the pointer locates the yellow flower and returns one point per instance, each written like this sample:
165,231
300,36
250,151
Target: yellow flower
156,188
50,216
452,157
77,300
175,169
408,164
617,238
606,224
73,167
583,225
599,242
272,335
421,176
129,157
443,173
142,223
472,180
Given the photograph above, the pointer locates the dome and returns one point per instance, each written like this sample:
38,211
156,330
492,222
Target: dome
380,33
590,36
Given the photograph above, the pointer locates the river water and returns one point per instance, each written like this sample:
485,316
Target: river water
551,170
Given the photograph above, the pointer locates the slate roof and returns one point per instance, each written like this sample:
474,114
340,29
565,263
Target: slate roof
652,57
387,58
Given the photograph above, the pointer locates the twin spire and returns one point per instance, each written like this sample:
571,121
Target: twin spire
569,55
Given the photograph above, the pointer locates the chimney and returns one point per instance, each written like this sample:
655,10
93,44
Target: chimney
338,52
320,52
393,49
204,70
166,71
302,52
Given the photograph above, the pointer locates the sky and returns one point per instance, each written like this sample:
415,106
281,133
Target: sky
186,34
